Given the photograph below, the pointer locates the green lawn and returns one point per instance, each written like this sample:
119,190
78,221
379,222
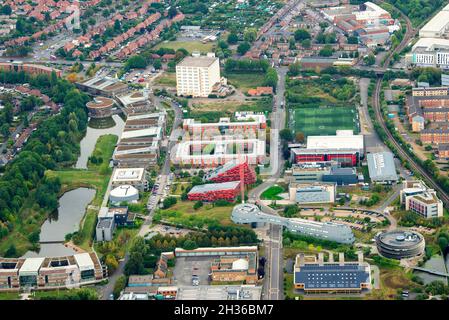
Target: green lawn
245,81
325,120
190,46
103,150
183,213
167,79
272,193
9,296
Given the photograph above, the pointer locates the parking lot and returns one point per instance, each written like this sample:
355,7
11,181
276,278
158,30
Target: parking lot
186,267
219,293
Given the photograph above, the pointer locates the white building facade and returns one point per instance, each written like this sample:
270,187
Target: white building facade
196,75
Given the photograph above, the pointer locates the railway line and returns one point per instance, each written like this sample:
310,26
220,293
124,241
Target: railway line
411,32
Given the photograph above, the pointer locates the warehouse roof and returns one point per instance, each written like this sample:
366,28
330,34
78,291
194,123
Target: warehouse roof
381,166
215,187
438,22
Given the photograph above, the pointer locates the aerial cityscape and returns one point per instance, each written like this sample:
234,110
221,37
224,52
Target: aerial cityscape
224,150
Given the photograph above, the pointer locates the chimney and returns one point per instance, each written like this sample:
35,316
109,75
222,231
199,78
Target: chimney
360,256
341,258
331,257
321,258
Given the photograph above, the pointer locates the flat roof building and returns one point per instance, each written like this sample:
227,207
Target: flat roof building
312,192
314,276
438,26
417,197
400,244
103,86
100,107
381,167
135,177
343,140
251,214
50,272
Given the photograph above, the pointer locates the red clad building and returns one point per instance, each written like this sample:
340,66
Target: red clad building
344,157
230,171
215,191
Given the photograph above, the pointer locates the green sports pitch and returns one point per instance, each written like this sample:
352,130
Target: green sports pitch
321,121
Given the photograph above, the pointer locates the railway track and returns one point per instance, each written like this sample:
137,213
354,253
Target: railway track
411,32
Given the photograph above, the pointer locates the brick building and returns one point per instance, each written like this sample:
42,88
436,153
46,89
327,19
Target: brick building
231,172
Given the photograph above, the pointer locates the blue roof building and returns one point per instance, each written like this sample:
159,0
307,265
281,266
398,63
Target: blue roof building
314,276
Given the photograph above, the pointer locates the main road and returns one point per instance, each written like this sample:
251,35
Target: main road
273,282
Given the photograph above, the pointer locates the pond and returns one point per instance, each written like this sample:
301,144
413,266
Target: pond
71,210
95,129
436,263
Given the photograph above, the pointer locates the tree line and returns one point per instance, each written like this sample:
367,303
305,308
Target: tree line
54,144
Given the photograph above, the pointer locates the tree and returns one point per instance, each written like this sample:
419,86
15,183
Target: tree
197,205
302,34
169,202
286,134
6,10
119,286
306,44
369,60
232,38
250,35
11,252
327,51
443,243
157,64
172,12
111,262
243,48
299,137
190,245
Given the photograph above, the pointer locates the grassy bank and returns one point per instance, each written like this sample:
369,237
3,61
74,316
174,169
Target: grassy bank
97,177
182,213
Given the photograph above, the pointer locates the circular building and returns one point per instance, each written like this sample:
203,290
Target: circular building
400,244
100,107
124,193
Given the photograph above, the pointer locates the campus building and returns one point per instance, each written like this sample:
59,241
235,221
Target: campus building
314,276
135,177
235,268
50,273
381,167
245,122
430,52
109,219
196,75
100,107
313,192
231,171
251,214
103,86
400,244
344,147
140,142
218,151
417,197
215,191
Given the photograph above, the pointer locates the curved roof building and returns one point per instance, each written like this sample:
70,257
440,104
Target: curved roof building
400,244
250,213
124,193
100,107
